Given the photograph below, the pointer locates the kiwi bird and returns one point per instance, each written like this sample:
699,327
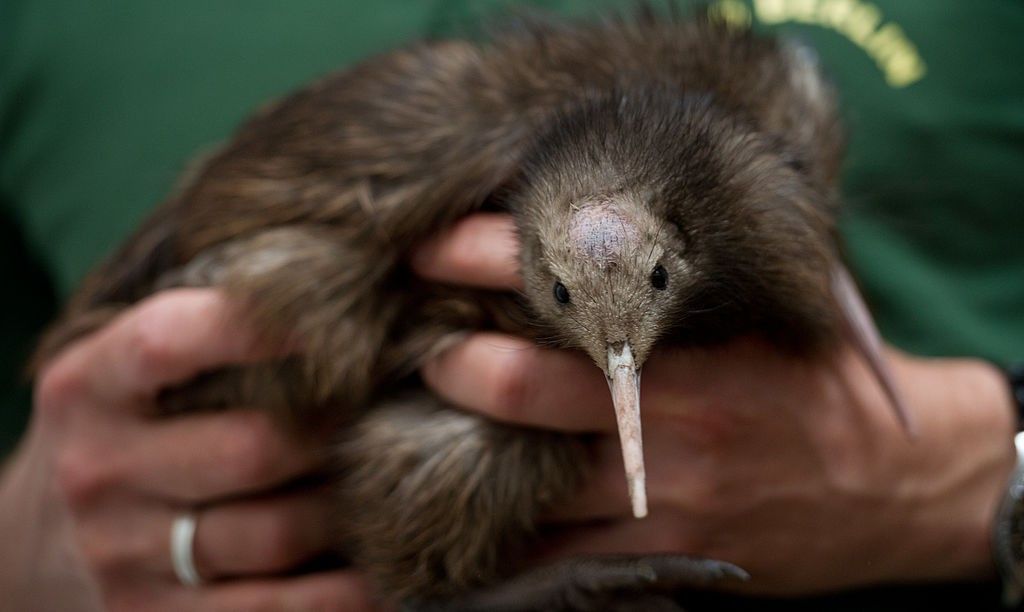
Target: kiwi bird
672,181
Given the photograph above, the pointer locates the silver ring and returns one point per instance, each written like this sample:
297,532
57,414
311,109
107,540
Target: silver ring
183,534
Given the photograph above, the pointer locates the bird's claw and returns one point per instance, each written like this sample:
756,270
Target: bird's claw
597,583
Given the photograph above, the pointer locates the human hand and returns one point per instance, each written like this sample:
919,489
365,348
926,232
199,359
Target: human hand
126,475
793,469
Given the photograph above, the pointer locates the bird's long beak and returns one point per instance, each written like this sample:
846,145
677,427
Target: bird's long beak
624,380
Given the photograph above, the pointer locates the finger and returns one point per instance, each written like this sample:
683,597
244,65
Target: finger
123,538
659,532
206,456
513,380
334,590
681,473
260,536
338,590
481,250
603,495
127,537
164,340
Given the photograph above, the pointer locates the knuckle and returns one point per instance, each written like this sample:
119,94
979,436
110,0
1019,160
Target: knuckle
246,450
81,474
119,599
99,556
463,251
510,388
150,343
61,386
106,559
158,322
281,542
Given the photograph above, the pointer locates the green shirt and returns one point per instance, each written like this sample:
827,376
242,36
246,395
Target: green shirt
103,103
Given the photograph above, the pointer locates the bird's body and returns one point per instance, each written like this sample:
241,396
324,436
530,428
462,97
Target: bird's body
716,148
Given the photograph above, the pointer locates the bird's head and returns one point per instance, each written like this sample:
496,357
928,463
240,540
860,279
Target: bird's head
609,277
654,214
611,274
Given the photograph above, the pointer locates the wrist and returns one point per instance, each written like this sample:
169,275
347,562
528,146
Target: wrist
960,467
45,570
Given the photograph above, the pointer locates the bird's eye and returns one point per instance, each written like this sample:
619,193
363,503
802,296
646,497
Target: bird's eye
659,277
561,293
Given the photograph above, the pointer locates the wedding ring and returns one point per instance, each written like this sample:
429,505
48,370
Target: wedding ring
183,533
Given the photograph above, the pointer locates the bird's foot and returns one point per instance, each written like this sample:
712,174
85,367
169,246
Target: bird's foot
597,583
